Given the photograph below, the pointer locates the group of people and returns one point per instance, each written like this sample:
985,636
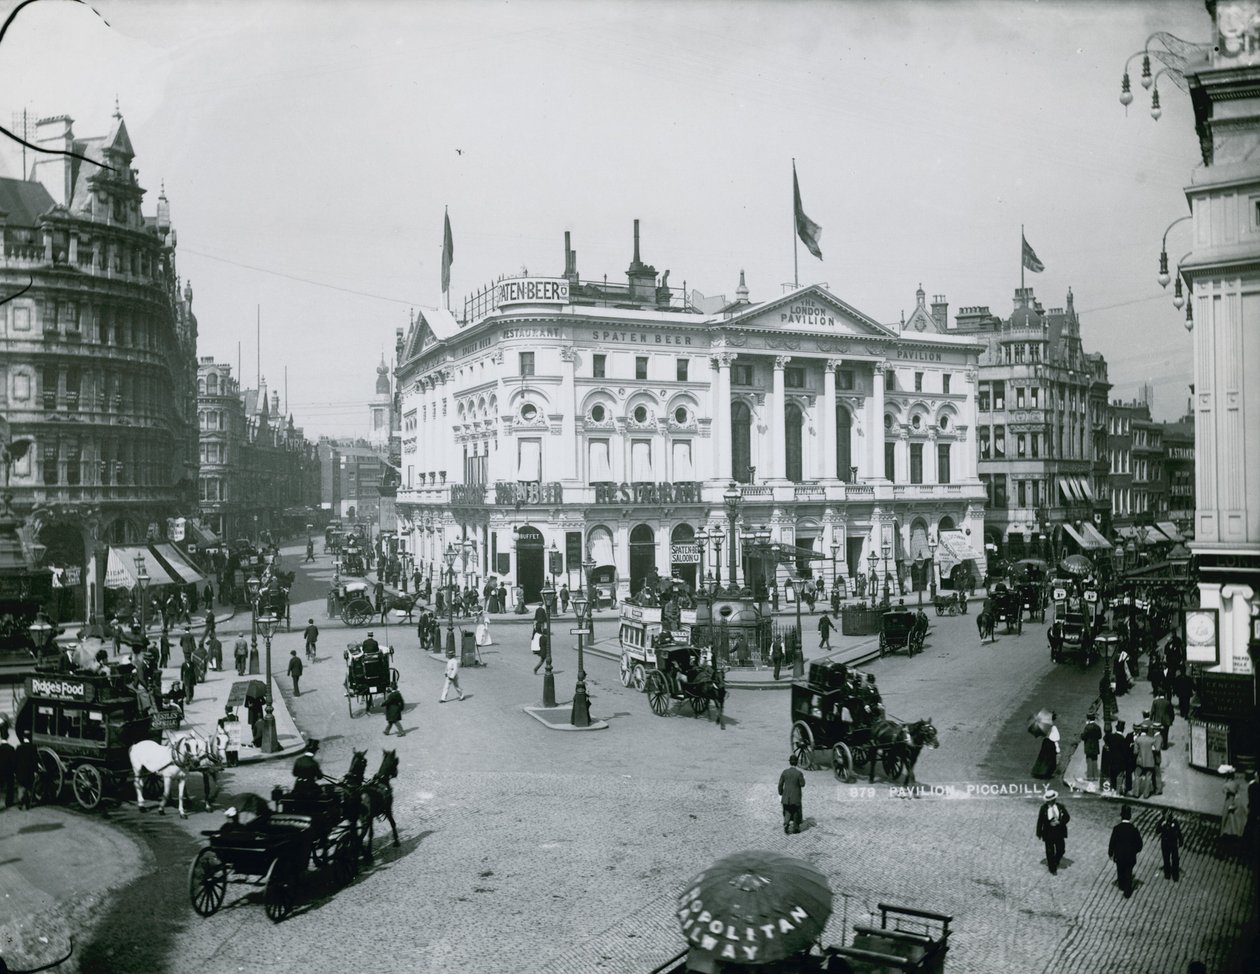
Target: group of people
19,763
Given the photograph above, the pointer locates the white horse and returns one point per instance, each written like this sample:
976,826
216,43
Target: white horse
174,759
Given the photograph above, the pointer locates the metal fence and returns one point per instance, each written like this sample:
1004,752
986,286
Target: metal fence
754,650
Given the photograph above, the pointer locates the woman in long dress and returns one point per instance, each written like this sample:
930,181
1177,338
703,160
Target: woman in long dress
1233,815
483,629
1048,756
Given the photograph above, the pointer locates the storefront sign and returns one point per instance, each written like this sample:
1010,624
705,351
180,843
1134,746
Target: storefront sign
681,493
641,337
532,333
532,290
684,554
918,355
807,313
528,493
52,688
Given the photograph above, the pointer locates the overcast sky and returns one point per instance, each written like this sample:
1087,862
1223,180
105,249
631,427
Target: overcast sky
317,142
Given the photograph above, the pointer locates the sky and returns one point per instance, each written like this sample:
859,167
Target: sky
308,151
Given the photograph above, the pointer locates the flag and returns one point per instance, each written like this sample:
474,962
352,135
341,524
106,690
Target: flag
806,229
448,253
1031,260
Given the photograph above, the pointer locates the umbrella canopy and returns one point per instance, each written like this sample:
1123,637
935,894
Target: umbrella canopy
1077,565
1039,724
243,690
754,908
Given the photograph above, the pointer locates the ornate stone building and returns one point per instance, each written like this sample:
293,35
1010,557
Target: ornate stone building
97,355
607,421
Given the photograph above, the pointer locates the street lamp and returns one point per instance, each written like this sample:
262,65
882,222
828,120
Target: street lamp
702,539
871,560
588,567
730,497
142,581
887,548
450,557
549,679
268,624
41,631
932,543
716,536
253,586
835,558
581,715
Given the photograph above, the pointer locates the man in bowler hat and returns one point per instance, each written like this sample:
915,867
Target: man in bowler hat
1123,849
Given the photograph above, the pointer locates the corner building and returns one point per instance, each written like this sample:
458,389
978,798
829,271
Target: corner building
608,421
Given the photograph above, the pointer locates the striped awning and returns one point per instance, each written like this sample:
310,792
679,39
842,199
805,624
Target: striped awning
1076,536
1170,529
120,569
1093,534
175,564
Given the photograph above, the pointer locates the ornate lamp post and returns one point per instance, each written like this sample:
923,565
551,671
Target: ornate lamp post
142,582
761,538
872,559
41,631
549,679
932,543
716,536
835,558
581,715
702,539
731,498
252,586
887,549
588,568
267,624
450,557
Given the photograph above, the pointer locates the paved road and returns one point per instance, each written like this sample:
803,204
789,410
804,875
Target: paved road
529,850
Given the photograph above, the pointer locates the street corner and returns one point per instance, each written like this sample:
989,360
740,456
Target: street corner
560,718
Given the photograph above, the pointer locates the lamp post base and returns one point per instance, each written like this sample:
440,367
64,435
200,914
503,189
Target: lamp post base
270,743
450,643
581,714
254,667
549,686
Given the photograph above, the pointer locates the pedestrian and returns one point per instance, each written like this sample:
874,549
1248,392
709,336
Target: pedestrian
1183,687
216,652
774,597
394,710
540,645
378,596
791,783
1123,849
7,758
311,635
25,763
188,676
452,679
1144,751
1052,823
501,598
295,671
1091,739
200,662
230,724
564,598
240,652
835,601
1048,753
1130,759
187,643
1162,715
1169,831
164,649
1233,817
208,595
825,625
776,654
483,629
1121,668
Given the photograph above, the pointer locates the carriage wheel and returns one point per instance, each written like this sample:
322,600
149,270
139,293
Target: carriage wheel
356,615
842,762
345,862
658,694
940,609
627,673
640,677
88,786
207,882
278,896
350,702
892,764
803,744
700,705
50,776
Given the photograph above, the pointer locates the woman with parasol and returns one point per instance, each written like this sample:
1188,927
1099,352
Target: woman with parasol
1042,725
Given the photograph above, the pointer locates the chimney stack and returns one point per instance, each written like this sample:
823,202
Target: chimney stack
940,311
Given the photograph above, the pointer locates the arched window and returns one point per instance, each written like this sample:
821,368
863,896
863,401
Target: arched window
793,423
844,443
741,442
212,384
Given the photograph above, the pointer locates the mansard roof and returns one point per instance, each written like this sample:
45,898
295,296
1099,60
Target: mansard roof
22,201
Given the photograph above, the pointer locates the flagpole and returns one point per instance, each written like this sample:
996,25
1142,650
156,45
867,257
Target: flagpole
446,216
796,272
1021,262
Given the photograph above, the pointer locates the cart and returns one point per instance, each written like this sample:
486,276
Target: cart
901,629
830,713
677,675
642,631
368,673
1032,600
950,605
1008,610
1071,632
351,601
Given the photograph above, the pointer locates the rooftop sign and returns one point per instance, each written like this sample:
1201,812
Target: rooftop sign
532,290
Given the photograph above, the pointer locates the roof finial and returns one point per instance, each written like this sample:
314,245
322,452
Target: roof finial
117,110
741,292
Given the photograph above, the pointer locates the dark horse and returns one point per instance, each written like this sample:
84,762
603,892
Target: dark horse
706,685
402,603
986,623
897,746
377,800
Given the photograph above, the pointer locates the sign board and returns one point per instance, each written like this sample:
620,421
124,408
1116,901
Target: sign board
532,290
579,632
1202,636
1091,596
59,688
555,563
684,554
1059,594
165,719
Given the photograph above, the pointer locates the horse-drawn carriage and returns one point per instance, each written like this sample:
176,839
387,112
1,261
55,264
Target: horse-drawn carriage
678,674
273,595
353,560
1072,630
351,602
1032,599
950,603
368,673
642,631
1004,607
834,710
902,629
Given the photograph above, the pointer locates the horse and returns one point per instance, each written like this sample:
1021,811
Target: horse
174,760
402,603
898,746
986,624
377,799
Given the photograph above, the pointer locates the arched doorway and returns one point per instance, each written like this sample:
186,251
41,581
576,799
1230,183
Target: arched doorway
920,555
793,422
530,558
844,443
741,442
688,568
642,556
946,524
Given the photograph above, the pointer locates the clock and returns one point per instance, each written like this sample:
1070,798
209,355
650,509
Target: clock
1200,627
1201,636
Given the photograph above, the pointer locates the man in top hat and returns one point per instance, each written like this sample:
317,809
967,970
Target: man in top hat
1091,740
370,645
1123,849
1052,823
307,772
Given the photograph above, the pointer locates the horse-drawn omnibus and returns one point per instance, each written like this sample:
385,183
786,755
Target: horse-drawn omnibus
642,631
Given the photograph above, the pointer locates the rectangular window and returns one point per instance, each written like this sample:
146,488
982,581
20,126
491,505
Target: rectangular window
1019,353
942,463
945,383
598,365
640,367
794,377
742,375
50,463
50,386
1021,442
844,380
918,382
21,319
1032,397
641,461
982,398
999,490
999,442
1034,443
1019,397
1036,493
598,470
681,369
683,471
987,481
529,461
527,363
986,447
1022,487
890,461
999,395
73,464
916,463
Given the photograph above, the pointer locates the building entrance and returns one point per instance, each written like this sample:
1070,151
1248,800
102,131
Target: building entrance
530,558
642,556
684,555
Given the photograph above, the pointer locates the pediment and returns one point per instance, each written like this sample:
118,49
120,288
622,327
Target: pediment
811,309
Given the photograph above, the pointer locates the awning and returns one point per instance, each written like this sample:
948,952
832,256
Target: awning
1126,532
1151,536
1086,493
1170,529
1093,535
1077,537
177,565
203,537
955,545
120,569
1065,490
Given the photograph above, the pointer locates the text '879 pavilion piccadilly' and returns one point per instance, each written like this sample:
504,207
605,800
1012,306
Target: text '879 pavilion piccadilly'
609,421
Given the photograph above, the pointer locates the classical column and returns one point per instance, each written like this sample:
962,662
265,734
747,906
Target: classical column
930,473
775,438
876,422
569,443
968,448
722,417
828,424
